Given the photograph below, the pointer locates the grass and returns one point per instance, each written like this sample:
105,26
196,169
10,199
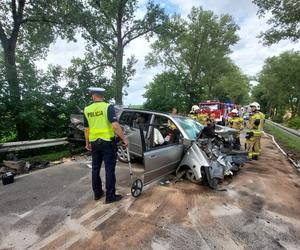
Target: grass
289,142
53,156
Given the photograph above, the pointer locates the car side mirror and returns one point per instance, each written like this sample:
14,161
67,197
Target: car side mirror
185,142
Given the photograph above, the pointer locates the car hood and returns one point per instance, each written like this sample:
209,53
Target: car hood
225,131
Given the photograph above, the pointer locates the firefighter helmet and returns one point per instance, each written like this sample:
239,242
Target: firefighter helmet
256,105
194,108
235,111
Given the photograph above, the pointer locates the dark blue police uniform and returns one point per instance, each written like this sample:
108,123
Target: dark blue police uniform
104,151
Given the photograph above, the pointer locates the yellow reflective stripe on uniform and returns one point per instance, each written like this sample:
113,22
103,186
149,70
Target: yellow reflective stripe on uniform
256,132
257,116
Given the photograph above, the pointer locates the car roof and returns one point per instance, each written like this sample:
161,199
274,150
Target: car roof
146,111
152,112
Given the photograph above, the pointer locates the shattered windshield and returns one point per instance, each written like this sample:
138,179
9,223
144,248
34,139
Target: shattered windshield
190,127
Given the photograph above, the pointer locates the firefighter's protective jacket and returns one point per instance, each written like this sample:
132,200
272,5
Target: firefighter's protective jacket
236,123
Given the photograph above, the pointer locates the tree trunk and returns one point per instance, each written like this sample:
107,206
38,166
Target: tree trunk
119,58
14,89
119,75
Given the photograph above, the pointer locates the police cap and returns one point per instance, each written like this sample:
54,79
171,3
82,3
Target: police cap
96,90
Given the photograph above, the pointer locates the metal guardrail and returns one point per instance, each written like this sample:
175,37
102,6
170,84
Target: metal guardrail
24,145
289,130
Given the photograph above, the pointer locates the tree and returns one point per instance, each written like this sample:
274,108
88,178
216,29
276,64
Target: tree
112,25
196,48
27,28
233,87
43,103
285,19
165,92
279,84
82,74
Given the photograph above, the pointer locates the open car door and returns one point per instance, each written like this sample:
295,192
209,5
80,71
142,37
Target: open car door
160,157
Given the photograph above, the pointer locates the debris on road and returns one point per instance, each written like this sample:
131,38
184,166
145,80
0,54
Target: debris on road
164,182
18,165
7,178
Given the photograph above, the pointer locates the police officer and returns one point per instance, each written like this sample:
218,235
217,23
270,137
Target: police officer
101,125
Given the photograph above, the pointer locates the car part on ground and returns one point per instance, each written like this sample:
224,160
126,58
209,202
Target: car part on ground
76,128
7,178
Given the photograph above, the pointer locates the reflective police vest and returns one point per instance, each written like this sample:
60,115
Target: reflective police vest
99,125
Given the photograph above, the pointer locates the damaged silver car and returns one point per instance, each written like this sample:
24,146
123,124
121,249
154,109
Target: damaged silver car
173,143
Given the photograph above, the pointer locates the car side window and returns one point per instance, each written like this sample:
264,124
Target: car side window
164,132
141,119
127,118
135,119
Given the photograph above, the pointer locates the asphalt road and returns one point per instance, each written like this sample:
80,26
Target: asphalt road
38,202
54,209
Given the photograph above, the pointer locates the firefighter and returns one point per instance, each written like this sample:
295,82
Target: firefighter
101,125
194,112
203,117
236,122
255,125
212,117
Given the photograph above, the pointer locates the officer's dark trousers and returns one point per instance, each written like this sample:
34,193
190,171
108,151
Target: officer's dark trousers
104,150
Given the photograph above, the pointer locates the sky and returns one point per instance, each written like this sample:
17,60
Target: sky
249,53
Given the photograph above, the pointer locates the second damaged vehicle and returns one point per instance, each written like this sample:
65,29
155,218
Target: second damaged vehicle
173,143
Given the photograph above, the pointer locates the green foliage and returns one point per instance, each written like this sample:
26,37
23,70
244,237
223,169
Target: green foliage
44,112
289,142
294,123
53,156
108,27
233,87
165,92
285,19
196,50
259,94
279,85
39,25
82,74
27,28
50,154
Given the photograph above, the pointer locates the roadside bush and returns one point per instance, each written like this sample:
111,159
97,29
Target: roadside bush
294,123
277,118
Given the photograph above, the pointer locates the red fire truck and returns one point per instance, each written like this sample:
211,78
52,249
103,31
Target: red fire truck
220,109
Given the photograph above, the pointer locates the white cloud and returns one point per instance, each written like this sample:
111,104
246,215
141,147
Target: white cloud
61,52
140,48
249,54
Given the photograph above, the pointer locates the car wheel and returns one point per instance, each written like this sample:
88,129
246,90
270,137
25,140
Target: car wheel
122,154
191,176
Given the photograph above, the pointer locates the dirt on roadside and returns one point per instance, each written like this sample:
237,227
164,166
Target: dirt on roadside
258,210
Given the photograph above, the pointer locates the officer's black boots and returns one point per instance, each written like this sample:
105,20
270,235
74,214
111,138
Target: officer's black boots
98,196
117,197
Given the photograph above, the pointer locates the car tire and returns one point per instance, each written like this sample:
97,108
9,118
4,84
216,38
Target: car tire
122,154
185,171
191,177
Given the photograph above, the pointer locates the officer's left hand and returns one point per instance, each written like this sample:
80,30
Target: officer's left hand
88,146
125,142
